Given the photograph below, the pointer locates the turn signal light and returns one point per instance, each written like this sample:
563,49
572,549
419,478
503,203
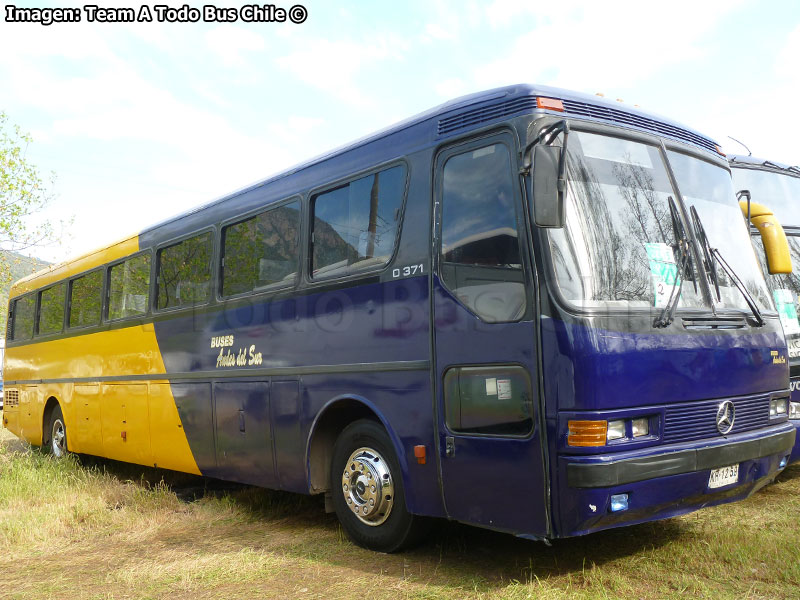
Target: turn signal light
587,433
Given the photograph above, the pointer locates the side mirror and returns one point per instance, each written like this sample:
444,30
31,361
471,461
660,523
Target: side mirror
776,246
548,200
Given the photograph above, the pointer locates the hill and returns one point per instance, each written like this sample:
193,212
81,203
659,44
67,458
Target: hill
18,267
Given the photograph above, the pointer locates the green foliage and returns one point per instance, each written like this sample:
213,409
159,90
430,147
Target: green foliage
24,192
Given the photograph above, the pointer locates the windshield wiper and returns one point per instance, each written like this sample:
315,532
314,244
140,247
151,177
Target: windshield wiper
713,254
682,249
709,263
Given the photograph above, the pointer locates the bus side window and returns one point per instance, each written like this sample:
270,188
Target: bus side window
355,226
24,311
261,251
480,260
129,287
86,300
51,311
184,272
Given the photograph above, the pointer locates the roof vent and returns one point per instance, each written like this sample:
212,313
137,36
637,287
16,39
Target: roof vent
499,110
489,112
622,117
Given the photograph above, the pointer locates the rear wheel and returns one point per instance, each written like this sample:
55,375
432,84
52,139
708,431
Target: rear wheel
367,490
56,444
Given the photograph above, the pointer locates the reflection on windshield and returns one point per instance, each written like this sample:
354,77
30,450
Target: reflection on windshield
708,188
785,291
781,193
617,247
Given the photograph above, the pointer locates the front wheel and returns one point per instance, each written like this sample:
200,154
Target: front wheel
57,430
367,490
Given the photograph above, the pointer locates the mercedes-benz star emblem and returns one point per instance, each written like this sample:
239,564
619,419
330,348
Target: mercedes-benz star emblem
726,415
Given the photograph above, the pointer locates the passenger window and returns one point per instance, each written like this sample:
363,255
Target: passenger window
51,310
261,251
86,300
355,226
481,262
129,287
184,272
24,311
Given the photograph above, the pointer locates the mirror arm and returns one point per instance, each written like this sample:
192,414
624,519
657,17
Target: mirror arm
745,194
546,135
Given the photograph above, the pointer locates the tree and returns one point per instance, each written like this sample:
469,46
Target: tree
23,194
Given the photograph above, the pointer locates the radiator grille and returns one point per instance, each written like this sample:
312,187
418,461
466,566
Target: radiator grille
698,420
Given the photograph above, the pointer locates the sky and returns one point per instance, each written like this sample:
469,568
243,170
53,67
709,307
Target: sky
142,121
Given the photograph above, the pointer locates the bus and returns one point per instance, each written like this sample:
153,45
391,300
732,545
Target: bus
525,309
777,186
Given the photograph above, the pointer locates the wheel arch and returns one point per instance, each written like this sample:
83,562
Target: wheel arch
337,414
49,406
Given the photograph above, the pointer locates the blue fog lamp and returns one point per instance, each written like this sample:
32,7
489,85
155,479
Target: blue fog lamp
619,502
784,462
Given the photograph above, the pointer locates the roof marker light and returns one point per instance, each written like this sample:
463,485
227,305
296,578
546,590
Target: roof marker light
550,104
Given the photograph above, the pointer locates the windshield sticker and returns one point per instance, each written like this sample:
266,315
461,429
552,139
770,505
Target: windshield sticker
785,302
663,271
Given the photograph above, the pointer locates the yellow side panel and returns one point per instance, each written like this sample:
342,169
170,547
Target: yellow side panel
126,422
146,413
88,431
30,428
166,427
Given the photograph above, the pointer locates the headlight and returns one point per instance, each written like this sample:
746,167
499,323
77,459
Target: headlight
616,430
794,410
778,407
640,427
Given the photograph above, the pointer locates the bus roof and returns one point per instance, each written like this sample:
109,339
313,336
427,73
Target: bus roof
436,124
752,162
468,107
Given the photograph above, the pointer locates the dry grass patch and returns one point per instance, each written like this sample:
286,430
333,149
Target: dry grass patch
100,529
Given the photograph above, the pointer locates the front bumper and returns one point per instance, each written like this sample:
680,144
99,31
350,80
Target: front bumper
665,481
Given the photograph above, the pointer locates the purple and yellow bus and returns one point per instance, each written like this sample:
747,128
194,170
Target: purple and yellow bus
777,186
526,309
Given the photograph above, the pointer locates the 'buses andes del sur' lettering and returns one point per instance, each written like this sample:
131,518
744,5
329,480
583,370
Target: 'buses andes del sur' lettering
526,309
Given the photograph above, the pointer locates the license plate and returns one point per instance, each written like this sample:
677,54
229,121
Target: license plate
723,476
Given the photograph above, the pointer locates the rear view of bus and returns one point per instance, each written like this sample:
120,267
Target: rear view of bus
777,187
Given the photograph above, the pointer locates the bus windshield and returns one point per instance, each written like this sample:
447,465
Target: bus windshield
709,189
618,245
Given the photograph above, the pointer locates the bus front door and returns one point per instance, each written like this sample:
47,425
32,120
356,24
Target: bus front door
489,439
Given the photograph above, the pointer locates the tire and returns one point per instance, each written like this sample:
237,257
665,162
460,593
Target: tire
373,516
55,441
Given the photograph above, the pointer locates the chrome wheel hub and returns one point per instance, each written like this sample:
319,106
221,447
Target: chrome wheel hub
368,487
58,439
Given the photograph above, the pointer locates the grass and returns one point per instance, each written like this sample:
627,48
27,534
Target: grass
101,529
